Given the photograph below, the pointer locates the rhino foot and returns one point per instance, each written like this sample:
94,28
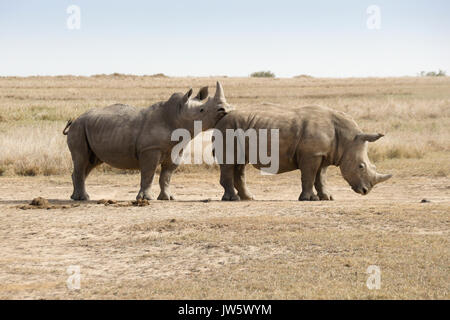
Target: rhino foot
325,196
144,196
227,197
79,197
246,197
308,197
165,196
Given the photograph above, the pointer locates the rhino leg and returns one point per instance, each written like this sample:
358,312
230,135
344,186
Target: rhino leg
148,162
309,167
239,183
84,160
226,181
78,179
164,180
321,184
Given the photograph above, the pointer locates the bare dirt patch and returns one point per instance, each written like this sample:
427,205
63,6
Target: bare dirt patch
200,247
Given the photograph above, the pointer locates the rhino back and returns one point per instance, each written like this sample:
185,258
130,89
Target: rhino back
304,125
303,132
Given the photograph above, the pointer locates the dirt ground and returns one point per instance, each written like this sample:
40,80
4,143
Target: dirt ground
200,247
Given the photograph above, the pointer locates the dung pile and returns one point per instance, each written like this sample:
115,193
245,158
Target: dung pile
140,203
114,203
106,202
42,203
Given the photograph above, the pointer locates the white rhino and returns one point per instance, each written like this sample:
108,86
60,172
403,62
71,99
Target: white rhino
310,139
138,138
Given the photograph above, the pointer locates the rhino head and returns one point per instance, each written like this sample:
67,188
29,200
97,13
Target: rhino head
356,167
208,110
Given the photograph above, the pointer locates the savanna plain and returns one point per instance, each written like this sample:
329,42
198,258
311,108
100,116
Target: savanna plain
198,247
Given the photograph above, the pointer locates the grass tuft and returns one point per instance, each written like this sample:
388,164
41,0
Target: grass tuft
380,153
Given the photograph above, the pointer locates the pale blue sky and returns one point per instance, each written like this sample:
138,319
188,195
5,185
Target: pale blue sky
234,38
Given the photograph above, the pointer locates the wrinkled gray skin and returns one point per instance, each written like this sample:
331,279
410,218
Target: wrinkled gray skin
138,138
310,139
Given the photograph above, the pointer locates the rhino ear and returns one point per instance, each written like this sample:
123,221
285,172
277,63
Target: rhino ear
187,95
370,137
202,94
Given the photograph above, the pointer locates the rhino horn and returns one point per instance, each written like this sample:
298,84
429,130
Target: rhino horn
220,95
382,177
370,137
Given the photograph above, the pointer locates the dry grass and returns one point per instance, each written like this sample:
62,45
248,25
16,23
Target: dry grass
36,148
413,112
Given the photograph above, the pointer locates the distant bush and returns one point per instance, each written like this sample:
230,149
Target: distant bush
158,75
116,74
303,76
440,73
263,74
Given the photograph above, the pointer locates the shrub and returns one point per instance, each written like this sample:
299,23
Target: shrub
158,75
27,171
440,73
303,76
263,74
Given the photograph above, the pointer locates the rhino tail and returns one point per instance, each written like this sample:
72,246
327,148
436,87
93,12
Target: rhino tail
66,129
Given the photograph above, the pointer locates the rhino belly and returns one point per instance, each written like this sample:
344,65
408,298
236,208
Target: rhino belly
285,164
115,146
285,157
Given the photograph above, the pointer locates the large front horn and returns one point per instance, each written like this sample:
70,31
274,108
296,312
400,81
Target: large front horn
382,177
371,137
220,95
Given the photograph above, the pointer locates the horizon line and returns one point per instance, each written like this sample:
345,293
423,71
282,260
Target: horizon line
163,75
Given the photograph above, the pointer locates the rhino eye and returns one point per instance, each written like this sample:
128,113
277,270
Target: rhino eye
361,165
201,110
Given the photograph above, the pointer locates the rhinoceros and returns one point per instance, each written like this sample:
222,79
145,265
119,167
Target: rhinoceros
310,139
127,137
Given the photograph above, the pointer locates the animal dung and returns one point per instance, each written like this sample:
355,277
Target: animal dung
106,202
140,203
42,203
39,202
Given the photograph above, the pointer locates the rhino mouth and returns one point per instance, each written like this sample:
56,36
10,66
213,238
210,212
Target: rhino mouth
363,190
